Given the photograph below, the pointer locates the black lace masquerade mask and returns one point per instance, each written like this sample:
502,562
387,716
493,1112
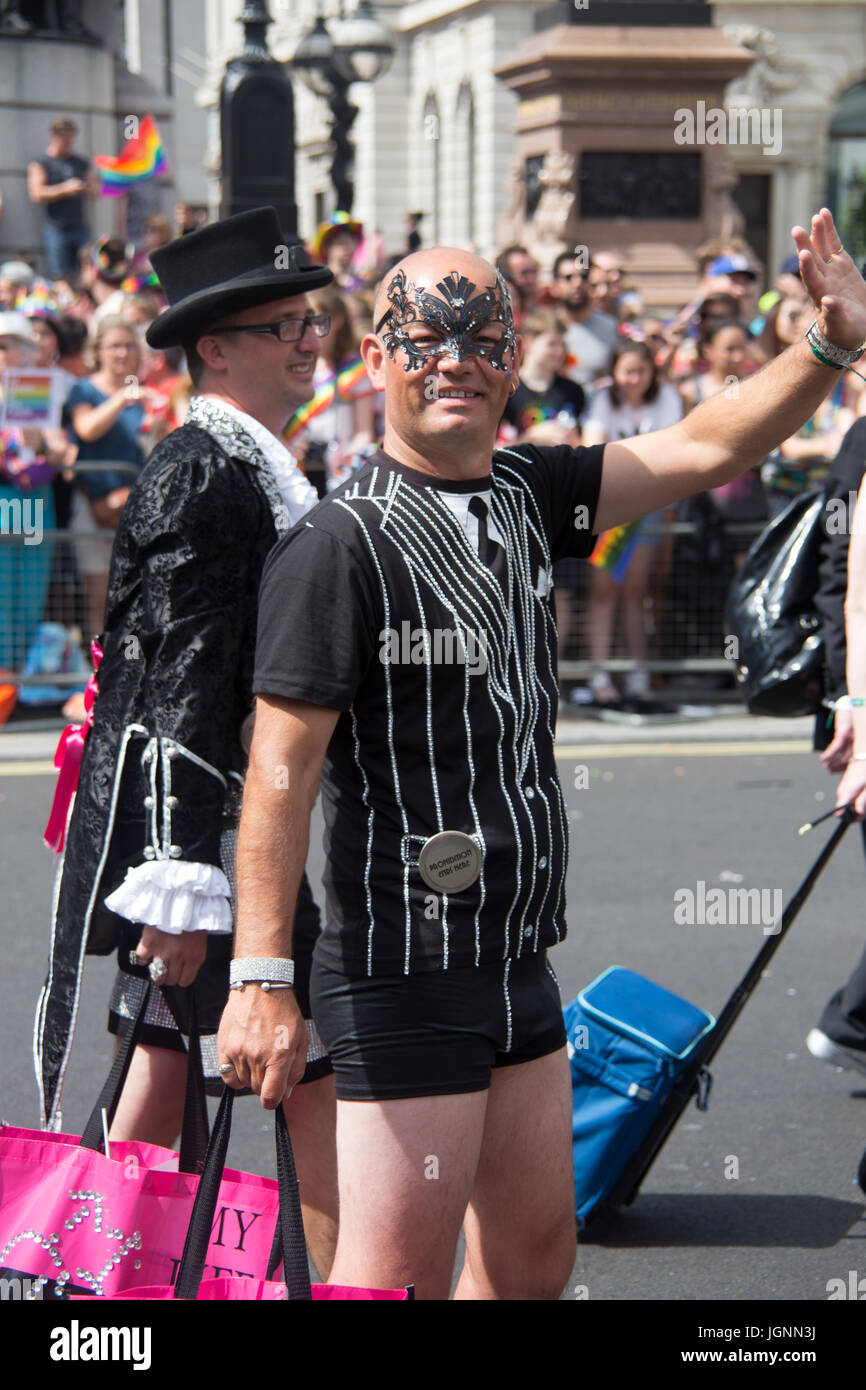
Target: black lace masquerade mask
456,318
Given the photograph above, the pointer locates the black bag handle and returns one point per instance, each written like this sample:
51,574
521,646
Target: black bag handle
290,1225
194,1134
109,1096
195,1130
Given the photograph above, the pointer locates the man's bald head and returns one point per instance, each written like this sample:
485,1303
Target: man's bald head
459,297
428,266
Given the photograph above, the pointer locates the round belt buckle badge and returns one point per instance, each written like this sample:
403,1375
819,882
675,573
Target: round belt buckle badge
450,861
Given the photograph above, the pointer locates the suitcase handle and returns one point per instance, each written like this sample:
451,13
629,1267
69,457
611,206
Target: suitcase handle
625,1191
727,1018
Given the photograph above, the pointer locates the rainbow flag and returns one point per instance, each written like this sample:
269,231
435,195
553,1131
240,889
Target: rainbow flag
326,393
141,158
613,549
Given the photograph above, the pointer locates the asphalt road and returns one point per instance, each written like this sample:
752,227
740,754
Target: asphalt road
647,821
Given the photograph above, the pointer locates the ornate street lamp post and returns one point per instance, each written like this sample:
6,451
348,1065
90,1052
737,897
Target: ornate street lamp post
361,53
257,127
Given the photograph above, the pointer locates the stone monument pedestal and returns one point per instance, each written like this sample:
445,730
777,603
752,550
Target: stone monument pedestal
615,164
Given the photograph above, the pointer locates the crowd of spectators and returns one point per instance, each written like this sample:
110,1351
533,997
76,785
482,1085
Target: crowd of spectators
598,365
584,326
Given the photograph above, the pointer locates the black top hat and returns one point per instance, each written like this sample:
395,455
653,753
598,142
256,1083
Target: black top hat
227,266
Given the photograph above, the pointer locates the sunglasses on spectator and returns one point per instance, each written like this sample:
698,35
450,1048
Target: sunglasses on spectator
287,330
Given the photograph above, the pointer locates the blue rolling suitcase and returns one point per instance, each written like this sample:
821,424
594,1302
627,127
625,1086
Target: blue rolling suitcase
638,1055
628,1042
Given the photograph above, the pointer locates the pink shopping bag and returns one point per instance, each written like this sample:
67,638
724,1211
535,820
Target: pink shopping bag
263,1290
86,1223
289,1246
74,1220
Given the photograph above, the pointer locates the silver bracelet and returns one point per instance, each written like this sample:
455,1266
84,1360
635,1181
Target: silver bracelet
834,356
274,970
266,985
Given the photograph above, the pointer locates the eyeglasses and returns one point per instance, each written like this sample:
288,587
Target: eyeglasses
287,330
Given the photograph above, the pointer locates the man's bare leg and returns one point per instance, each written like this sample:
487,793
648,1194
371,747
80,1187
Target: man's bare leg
406,1170
311,1117
521,1230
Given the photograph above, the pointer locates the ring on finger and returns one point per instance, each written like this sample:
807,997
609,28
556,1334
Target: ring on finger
157,970
225,1068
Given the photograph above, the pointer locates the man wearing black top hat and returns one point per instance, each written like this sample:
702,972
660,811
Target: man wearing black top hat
150,839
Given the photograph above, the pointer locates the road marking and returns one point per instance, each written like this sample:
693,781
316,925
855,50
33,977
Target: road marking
36,769
566,751
600,751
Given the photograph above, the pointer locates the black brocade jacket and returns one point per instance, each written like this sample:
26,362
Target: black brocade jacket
175,686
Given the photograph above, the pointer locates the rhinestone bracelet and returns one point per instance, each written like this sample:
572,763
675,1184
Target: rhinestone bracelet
272,970
827,352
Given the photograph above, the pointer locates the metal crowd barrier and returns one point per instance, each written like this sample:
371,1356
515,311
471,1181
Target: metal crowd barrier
683,608
684,621
41,579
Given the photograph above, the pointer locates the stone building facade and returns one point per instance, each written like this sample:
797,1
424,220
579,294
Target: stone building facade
437,132
811,65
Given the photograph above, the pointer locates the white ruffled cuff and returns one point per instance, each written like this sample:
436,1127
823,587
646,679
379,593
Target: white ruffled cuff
175,897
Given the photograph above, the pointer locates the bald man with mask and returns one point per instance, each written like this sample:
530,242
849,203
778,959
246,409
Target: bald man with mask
407,656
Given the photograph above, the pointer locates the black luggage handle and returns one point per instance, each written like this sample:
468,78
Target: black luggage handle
690,1080
728,1016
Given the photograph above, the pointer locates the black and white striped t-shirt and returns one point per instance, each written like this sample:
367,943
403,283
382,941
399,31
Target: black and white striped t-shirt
378,604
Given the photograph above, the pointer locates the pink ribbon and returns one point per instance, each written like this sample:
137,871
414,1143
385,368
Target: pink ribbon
67,760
